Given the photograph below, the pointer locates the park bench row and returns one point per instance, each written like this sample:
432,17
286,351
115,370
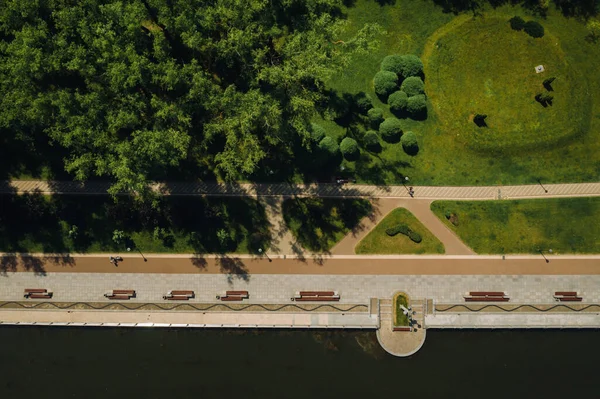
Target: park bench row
501,296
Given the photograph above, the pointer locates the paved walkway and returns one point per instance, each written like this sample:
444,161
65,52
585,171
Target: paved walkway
244,267
418,207
323,190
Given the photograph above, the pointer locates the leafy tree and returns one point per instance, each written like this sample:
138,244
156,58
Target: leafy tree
349,148
517,23
375,116
534,29
411,66
371,141
412,86
385,83
317,132
119,236
409,143
393,63
133,89
417,106
390,130
398,102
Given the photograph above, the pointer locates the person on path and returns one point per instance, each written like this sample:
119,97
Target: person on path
411,192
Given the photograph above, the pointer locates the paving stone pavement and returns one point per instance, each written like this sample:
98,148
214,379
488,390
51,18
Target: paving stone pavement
321,189
279,288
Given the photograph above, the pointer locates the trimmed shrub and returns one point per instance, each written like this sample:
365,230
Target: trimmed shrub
416,237
517,23
534,29
390,130
412,86
409,143
411,66
375,117
349,147
393,63
417,106
329,146
317,132
398,102
371,140
397,229
363,102
385,83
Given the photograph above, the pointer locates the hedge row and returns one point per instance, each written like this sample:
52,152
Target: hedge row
404,229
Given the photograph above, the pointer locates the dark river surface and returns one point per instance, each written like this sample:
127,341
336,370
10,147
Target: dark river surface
69,362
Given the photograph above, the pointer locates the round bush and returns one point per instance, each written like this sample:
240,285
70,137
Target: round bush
409,143
411,66
349,147
375,117
317,132
329,146
534,29
412,86
417,105
393,63
363,103
371,140
385,83
398,101
517,23
390,130
397,229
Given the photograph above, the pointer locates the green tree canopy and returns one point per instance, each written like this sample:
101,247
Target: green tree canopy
132,89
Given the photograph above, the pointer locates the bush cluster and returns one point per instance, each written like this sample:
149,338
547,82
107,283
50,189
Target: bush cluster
385,83
329,146
371,140
349,147
390,130
363,103
404,229
398,102
417,105
375,116
517,23
409,143
413,86
392,63
411,66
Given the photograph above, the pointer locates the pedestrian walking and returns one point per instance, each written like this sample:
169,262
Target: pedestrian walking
411,192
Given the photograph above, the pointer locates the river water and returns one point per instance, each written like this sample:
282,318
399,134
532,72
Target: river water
189,363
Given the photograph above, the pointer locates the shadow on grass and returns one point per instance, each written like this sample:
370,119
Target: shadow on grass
319,223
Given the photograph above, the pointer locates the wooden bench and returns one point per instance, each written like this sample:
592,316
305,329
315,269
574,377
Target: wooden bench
231,298
570,299
45,295
38,292
316,293
187,293
317,298
486,293
407,328
487,299
124,292
243,294
176,298
565,293
120,297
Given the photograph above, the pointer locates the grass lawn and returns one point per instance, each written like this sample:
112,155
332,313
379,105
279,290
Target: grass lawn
565,225
320,223
38,223
400,318
378,242
481,65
